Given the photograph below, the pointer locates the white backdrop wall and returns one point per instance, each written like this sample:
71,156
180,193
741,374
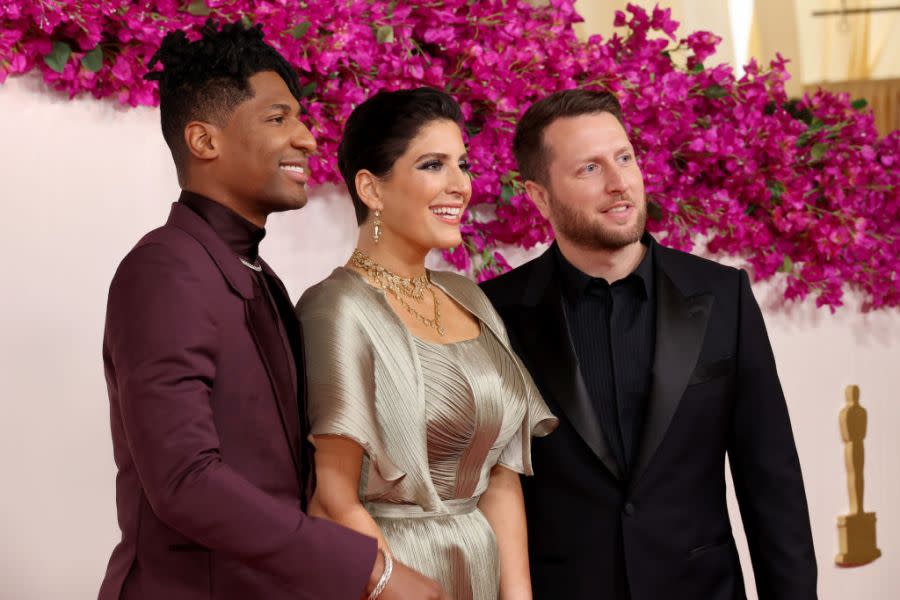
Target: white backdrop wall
82,180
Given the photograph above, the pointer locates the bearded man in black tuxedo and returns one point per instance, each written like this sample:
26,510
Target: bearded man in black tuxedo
658,364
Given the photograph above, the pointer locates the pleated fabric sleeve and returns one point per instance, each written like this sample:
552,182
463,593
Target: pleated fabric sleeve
537,422
341,379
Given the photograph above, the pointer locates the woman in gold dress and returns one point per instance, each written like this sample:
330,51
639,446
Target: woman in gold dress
421,414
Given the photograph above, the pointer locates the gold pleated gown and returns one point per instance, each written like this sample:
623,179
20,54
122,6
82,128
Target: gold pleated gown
434,419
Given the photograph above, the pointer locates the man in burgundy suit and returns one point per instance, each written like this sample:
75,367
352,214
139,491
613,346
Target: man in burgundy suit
203,358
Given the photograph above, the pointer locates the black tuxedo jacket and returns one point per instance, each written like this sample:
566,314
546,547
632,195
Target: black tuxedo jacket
663,533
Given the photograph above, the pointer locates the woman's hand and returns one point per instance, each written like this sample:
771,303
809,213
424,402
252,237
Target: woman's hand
406,584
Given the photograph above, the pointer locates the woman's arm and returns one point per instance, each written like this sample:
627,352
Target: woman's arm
338,465
503,506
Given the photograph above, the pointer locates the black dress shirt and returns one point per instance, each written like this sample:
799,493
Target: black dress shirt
243,237
613,331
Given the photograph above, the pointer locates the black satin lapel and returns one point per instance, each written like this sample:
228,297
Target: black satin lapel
680,328
273,349
545,335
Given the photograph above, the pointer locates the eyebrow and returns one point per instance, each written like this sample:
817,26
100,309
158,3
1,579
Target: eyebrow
284,108
620,150
439,156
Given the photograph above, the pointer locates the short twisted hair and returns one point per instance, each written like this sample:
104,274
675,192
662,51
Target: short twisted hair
207,79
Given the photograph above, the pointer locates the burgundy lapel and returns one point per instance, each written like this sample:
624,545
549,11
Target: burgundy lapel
307,450
293,322
271,341
236,274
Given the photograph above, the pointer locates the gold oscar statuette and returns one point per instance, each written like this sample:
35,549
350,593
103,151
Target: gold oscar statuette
857,529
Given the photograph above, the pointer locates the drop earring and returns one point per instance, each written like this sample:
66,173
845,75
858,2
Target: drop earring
376,232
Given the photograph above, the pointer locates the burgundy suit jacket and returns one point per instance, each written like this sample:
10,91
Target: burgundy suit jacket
205,431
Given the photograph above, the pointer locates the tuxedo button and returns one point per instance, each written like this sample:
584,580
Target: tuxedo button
629,509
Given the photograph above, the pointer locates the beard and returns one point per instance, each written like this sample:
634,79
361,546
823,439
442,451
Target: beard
582,232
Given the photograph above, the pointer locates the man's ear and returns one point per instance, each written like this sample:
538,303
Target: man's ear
368,187
540,196
202,139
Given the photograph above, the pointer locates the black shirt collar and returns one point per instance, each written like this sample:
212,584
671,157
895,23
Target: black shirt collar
242,236
575,282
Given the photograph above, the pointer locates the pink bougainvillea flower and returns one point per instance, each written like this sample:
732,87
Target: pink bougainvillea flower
802,189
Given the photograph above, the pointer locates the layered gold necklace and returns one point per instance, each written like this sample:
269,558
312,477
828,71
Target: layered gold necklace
401,288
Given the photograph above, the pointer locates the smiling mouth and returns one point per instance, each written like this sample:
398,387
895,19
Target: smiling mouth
295,172
448,214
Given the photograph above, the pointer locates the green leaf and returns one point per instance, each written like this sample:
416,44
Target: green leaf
246,22
198,8
654,211
507,192
308,89
509,177
796,109
385,34
776,188
300,30
751,208
818,151
815,125
698,68
859,104
803,139
93,60
715,91
787,266
58,56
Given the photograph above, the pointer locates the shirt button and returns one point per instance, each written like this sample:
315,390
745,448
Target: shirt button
629,509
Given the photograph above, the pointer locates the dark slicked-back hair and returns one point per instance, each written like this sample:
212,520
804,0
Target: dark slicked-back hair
529,148
380,129
205,80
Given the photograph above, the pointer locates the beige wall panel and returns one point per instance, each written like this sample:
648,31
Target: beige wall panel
865,46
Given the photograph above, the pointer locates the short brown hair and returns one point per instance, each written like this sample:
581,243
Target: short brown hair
528,143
